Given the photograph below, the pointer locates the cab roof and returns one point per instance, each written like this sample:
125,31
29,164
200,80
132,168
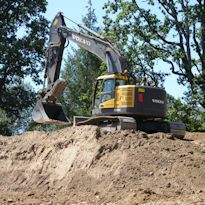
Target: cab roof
110,76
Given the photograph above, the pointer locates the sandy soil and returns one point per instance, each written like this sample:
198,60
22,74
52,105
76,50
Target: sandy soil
86,165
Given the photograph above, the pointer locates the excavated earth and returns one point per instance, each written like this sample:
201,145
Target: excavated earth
86,165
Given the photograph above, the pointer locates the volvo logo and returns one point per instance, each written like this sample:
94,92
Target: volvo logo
158,101
81,40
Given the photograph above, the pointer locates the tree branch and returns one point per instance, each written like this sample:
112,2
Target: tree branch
198,49
197,67
173,68
187,33
156,32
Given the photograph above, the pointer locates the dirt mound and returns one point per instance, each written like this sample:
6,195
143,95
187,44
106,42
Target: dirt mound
87,165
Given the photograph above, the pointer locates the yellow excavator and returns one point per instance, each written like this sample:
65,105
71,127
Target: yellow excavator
120,100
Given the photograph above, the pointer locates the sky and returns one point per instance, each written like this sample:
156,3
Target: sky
76,9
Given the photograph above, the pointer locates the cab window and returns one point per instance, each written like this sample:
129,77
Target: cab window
120,82
109,85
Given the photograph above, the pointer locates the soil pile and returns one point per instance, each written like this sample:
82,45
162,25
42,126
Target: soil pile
87,165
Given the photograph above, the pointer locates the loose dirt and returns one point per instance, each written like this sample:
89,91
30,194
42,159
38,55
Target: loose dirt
86,165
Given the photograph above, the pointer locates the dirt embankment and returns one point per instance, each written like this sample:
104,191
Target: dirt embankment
87,165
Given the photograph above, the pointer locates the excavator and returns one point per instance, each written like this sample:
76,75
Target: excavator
120,100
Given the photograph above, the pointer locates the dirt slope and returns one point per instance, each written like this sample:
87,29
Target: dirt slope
86,165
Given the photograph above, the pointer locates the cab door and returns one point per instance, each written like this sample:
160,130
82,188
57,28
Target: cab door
105,93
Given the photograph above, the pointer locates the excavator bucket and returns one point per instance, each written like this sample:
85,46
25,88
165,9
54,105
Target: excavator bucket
49,113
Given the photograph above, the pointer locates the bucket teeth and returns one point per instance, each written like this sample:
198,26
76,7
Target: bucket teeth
49,113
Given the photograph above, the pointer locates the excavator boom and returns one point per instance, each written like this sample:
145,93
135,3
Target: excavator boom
102,48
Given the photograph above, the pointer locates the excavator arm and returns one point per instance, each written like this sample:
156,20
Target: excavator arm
47,110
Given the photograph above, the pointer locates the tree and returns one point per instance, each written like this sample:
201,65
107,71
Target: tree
22,37
187,112
81,70
4,123
168,31
17,100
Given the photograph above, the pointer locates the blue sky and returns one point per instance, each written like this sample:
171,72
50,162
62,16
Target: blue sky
76,9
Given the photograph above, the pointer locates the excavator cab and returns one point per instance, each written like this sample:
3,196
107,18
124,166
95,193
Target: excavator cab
104,94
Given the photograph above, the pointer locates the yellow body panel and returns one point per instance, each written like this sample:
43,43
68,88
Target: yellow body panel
124,98
108,104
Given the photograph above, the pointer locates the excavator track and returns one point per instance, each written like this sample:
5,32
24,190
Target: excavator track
123,123
107,122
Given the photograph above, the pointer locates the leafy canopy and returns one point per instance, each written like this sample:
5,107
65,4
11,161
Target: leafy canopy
22,37
154,31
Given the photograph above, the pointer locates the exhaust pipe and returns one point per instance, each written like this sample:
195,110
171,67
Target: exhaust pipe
49,113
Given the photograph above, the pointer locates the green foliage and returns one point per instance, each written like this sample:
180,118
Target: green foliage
17,103
4,123
22,37
189,113
154,31
81,70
